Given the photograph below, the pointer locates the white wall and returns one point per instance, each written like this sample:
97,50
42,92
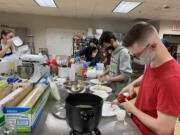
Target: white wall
37,25
167,26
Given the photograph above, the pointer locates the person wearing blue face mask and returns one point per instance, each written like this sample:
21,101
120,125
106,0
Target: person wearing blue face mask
92,54
157,105
146,59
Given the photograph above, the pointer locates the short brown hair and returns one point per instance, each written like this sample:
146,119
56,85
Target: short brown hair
138,33
106,37
5,32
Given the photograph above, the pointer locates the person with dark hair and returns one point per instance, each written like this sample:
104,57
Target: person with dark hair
6,43
120,65
92,53
157,105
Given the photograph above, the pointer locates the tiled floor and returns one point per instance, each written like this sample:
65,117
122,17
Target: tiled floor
177,127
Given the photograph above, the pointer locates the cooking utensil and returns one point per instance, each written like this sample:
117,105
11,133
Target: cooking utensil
25,70
83,119
41,78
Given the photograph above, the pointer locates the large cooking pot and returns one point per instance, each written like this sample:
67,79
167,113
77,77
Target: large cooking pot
83,112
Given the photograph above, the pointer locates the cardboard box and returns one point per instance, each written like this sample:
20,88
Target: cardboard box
24,118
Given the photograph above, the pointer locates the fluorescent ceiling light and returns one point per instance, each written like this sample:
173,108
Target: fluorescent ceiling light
46,3
126,6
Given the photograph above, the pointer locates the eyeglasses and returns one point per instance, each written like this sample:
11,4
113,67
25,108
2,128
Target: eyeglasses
137,55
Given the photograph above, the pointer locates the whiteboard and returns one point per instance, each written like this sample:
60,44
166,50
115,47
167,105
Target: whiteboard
59,41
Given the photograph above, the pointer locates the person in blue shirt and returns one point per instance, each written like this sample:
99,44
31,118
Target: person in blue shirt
92,53
165,42
172,50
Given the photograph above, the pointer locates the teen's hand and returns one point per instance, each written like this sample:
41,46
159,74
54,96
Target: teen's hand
128,106
129,88
9,42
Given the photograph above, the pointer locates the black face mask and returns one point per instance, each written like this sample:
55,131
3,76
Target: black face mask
110,48
92,48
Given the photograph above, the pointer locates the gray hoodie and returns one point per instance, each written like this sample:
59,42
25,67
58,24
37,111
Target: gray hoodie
120,65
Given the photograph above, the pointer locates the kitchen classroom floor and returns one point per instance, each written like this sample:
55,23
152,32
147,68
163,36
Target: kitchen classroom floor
177,127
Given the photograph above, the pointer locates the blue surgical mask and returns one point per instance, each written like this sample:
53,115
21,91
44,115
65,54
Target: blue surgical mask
145,59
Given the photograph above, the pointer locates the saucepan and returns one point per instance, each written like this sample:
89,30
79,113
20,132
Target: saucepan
83,112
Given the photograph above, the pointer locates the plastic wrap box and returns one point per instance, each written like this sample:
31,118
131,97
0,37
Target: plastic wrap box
24,118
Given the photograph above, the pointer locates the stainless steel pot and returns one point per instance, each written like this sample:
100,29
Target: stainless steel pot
26,70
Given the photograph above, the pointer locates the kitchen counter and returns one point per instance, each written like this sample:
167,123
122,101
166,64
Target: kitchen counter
50,125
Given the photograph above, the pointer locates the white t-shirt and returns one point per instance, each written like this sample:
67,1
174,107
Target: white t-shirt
12,49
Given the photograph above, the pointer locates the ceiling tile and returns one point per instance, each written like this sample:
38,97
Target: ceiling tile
94,8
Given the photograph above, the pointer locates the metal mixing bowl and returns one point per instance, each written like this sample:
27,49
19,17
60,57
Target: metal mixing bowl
75,87
26,70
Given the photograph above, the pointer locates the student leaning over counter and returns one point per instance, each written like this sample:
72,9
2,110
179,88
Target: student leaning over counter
120,64
158,104
92,53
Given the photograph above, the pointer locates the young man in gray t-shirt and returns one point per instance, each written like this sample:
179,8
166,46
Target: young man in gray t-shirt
120,66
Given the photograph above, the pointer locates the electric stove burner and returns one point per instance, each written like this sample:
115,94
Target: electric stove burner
95,132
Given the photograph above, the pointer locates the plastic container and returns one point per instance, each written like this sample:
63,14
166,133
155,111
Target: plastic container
72,73
6,129
78,67
84,70
4,66
64,72
91,73
100,66
99,69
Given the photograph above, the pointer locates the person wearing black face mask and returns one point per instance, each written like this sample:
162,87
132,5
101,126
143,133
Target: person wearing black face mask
92,53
